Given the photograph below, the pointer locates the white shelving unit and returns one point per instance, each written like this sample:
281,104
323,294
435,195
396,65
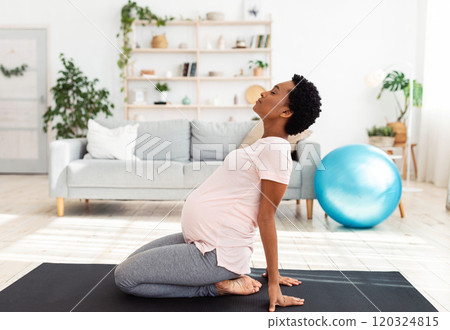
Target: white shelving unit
198,54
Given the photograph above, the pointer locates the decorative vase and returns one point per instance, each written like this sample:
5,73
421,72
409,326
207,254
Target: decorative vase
221,43
400,129
159,41
258,71
381,141
186,100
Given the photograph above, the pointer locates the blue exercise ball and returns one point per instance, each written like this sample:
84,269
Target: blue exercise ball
358,186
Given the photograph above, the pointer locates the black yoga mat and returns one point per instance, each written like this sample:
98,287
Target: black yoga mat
61,287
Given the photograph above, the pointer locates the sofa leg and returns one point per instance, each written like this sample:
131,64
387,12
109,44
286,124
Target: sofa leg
298,201
60,206
309,208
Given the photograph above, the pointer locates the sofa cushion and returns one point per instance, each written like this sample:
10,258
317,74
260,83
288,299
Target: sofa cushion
196,172
214,140
115,174
157,138
111,143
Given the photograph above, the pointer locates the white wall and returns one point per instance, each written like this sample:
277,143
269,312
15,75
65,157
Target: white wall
304,33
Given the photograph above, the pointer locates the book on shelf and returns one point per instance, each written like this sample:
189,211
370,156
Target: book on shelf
267,44
263,41
193,69
260,38
185,69
188,69
260,41
252,41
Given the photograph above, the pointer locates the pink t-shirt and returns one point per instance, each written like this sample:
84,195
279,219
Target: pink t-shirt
222,212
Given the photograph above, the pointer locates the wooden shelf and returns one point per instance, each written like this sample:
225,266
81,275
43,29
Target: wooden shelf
197,53
168,23
182,106
256,22
159,106
236,50
161,78
233,106
205,23
163,50
234,78
201,51
242,78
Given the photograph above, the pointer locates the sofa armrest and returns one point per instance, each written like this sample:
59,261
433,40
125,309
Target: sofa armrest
62,152
308,155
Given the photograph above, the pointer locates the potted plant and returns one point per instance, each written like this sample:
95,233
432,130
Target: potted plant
381,136
396,81
258,67
76,101
163,88
130,12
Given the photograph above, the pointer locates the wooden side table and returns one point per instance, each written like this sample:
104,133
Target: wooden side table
390,152
413,157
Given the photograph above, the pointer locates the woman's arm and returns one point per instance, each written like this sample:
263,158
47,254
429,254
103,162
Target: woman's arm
271,194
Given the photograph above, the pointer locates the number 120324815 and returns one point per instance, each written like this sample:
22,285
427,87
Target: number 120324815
405,321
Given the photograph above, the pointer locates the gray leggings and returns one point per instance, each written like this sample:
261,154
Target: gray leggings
168,267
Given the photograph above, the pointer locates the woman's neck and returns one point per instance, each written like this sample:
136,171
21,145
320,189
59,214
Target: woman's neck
272,131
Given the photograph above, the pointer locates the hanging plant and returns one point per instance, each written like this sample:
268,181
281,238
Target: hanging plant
76,101
18,71
130,12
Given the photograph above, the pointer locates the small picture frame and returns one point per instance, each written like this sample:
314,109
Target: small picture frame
139,96
252,10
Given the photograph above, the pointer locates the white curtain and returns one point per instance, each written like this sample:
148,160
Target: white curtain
434,137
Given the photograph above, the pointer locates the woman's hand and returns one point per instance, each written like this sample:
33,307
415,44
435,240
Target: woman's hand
277,299
286,280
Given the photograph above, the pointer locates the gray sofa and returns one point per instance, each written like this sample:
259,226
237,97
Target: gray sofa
172,158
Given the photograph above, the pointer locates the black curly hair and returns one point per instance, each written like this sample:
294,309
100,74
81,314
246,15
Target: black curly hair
304,101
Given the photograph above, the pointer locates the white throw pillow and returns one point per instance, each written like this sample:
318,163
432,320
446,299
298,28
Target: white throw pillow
114,143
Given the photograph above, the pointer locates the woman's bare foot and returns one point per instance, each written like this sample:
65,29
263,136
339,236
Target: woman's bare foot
243,285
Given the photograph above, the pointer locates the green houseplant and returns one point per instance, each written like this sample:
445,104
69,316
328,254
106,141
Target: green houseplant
163,89
258,67
76,101
395,82
129,13
383,136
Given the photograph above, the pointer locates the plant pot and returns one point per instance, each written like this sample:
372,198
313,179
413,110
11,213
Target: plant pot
159,41
163,96
400,129
258,72
382,141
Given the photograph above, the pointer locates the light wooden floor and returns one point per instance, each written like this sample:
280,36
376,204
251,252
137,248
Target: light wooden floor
106,232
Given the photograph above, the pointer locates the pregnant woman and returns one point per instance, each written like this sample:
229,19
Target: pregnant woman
211,255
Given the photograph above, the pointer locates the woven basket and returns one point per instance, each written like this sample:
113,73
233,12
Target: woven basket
400,129
159,41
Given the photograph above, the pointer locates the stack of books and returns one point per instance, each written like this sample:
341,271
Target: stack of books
260,41
188,69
